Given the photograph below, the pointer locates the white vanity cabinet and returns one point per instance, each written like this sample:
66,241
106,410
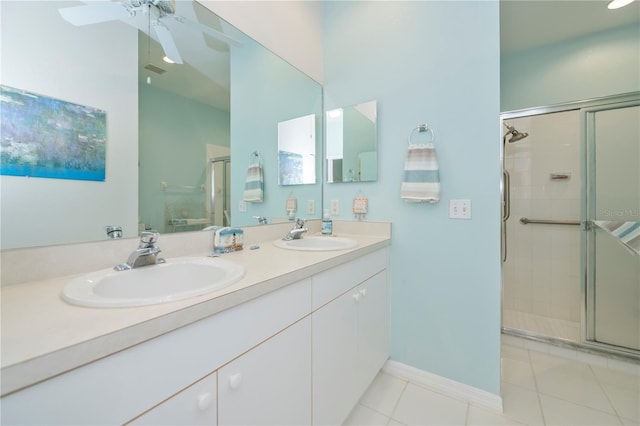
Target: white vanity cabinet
373,329
119,388
350,335
335,352
271,384
195,405
302,354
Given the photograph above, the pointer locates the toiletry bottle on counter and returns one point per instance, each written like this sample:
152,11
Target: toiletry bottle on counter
327,223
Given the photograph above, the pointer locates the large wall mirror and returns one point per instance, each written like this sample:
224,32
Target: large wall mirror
351,147
179,135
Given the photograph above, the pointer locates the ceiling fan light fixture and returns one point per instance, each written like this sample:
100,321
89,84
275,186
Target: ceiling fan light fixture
617,4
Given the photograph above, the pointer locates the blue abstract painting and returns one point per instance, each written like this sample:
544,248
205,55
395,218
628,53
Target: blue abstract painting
50,138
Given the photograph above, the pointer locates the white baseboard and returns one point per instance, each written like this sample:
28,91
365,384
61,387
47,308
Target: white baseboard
443,385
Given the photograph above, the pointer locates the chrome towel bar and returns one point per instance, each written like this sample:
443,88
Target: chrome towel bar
526,221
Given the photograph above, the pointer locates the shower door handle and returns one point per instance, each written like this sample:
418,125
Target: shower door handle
503,241
506,211
506,195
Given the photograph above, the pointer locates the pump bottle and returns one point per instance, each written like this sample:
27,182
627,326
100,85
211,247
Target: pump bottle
327,223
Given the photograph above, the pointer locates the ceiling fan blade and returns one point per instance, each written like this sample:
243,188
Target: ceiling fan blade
166,41
208,30
94,13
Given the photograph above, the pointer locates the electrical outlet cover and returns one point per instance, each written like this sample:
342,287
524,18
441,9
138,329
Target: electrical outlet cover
335,207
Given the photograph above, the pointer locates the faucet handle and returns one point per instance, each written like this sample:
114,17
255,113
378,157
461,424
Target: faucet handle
148,238
300,223
113,232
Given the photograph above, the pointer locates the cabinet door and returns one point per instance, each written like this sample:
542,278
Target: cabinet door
196,405
335,344
373,328
271,383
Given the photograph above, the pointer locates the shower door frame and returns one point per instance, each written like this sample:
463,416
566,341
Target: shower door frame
588,237
594,104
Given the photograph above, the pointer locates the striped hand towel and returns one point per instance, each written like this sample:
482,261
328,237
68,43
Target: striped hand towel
253,186
421,183
627,232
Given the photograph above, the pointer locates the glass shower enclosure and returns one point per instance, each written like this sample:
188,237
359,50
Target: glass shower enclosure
219,191
612,211
571,238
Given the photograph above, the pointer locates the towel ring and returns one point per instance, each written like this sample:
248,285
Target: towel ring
423,128
255,154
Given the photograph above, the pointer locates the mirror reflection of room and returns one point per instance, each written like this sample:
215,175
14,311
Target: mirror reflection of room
297,151
170,127
351,143
176,157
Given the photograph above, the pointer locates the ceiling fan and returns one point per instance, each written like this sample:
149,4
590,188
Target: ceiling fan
158,11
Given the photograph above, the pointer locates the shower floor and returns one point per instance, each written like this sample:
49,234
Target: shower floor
552,327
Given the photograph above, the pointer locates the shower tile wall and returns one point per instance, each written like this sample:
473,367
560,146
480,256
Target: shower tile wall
541,290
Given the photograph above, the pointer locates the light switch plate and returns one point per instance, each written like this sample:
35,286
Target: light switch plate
242,207
311,206
460,209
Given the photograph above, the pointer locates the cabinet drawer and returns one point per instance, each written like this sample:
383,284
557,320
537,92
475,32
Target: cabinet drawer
332,283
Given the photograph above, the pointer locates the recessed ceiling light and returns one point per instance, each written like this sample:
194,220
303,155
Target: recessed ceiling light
169,61
617,4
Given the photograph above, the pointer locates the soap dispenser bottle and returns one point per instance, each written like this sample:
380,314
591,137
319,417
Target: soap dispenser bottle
327,223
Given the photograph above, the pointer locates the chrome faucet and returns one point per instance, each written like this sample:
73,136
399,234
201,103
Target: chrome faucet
296,232
261,220
145,254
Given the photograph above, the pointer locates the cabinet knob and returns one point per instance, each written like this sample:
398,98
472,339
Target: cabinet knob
356,297
363,292
235,380
205,401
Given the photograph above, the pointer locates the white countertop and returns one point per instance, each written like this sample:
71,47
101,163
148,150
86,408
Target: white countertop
42,336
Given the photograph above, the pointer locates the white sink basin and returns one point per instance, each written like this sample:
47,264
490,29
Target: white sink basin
317,243
179,278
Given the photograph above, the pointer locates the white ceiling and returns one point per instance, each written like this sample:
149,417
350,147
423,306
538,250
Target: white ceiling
205,74
523,24
531,23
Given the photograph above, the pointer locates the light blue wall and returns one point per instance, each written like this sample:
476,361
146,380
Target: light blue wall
174,131
266,90
602,64
434,62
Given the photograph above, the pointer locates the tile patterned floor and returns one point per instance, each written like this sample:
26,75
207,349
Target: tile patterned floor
544,387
